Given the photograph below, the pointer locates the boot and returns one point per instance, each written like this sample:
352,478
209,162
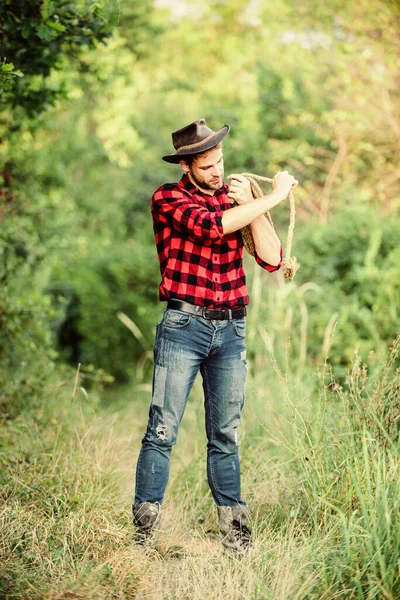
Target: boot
234,533
146,518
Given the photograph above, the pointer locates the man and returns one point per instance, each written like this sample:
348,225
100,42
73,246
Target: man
199,245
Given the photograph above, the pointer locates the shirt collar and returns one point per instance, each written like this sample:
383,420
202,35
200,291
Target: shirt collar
192,189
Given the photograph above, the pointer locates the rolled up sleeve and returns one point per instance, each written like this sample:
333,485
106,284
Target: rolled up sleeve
266,266
174,208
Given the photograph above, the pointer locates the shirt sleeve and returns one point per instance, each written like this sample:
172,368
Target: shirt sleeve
266,266
172,207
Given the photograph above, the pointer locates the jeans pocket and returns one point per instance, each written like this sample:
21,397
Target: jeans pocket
240,327
176,319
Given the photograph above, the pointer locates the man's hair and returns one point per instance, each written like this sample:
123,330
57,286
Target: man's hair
190,158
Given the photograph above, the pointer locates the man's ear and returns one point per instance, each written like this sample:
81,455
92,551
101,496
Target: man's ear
185,166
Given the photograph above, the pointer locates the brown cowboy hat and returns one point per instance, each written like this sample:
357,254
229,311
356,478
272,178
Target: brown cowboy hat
194,139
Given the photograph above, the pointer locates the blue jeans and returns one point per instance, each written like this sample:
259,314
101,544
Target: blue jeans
184,345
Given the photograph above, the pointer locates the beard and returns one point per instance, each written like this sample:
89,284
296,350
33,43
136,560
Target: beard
205,185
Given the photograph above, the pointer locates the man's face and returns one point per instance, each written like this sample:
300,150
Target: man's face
207,170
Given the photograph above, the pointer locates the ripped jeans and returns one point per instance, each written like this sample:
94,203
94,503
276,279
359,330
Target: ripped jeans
184,345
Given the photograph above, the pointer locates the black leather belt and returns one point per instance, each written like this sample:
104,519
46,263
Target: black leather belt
226,314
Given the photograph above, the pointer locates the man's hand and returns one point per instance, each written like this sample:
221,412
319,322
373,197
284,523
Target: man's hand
283,183
239,189
248,208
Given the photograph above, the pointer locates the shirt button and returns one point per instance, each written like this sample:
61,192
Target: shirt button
215,278
215,258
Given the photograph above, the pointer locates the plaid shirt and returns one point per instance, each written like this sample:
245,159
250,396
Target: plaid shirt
198,263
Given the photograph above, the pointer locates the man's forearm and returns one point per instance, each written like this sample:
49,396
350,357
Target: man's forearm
266,242
237,217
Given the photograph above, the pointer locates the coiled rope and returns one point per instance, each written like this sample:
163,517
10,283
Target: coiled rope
290,264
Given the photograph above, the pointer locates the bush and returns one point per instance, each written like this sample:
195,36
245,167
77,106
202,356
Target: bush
345,295
110,281
26,343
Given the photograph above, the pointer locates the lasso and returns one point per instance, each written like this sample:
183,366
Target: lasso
290,264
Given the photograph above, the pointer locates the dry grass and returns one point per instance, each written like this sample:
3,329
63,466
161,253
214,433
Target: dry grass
66,522
320,487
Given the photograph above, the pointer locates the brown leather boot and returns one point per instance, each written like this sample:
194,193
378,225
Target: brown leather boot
146,518
234,532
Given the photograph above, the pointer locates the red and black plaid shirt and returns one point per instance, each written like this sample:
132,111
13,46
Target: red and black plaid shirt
198,263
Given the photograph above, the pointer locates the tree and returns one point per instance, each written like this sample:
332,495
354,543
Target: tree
38,37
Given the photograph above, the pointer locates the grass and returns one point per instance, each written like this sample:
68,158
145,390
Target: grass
320,472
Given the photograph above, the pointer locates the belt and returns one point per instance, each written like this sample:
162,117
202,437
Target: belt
226,314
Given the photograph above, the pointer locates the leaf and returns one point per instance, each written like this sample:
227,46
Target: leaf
55,25
45,9
44,32
7,67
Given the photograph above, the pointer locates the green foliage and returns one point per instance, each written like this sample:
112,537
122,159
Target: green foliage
343,300
354,260
37,36
107,283
40,226
7,75
26,344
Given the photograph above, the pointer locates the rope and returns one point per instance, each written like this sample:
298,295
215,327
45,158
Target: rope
290,264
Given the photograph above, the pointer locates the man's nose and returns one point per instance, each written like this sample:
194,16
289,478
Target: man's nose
217,171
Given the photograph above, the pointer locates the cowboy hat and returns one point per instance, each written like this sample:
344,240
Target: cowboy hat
194,139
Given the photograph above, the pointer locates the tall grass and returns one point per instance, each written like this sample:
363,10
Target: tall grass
320,463
342,479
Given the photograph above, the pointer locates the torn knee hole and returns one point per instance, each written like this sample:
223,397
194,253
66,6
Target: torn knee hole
161,432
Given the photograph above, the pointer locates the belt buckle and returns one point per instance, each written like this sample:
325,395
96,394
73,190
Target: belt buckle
219,314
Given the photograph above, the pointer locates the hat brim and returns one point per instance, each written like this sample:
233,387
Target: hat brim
216,139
